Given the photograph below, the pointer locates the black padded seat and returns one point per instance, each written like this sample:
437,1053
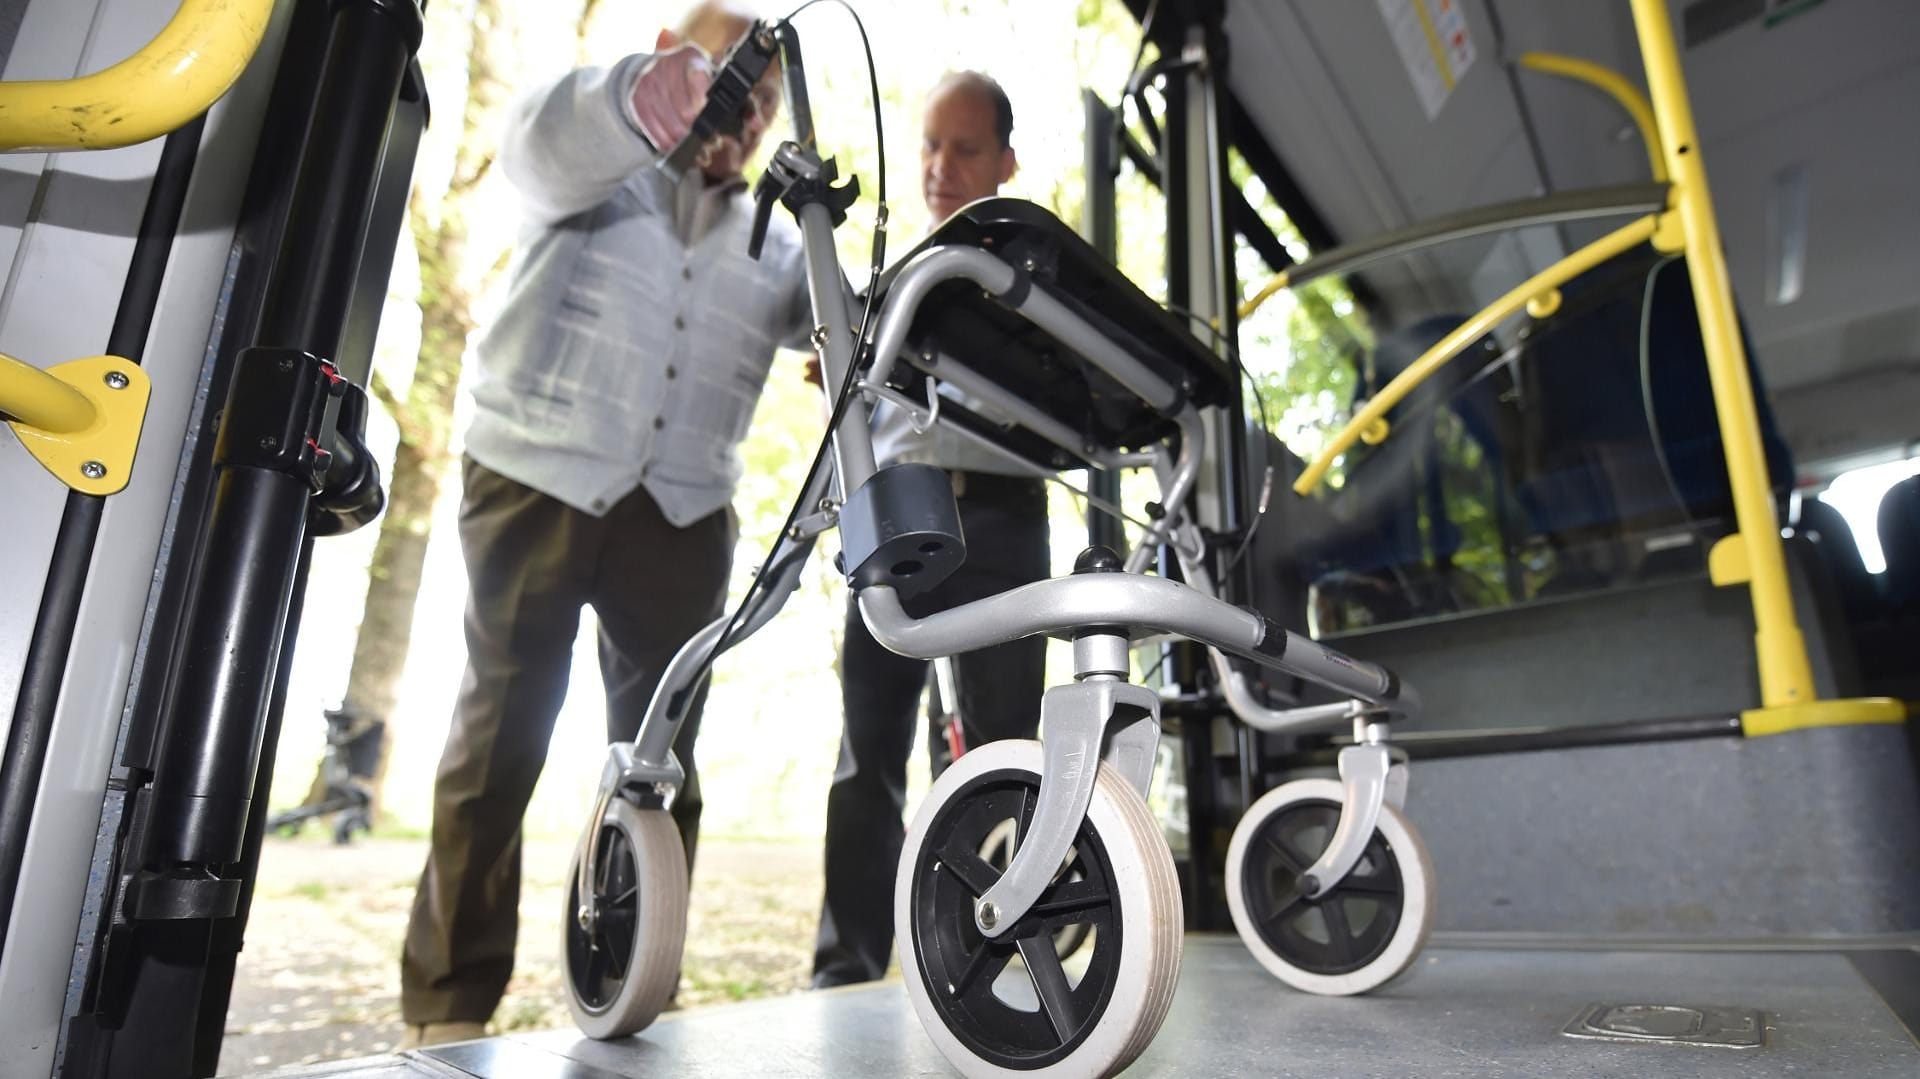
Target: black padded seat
1834,545
1899,522
959,320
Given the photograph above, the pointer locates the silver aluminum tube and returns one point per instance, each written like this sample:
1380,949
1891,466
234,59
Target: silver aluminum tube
1053,316
921,273
657,728
1060,605
1014,461
1173,494
1310,660
930,268
853,439
979,387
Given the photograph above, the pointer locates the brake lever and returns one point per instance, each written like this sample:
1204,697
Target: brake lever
766,192
725,110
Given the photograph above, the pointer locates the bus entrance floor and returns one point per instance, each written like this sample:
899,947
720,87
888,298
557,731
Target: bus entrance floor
1466,1009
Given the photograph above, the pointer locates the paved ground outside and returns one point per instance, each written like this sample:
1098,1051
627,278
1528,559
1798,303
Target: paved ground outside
319,978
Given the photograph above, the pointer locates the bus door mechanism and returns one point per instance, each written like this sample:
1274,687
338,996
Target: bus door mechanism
271,442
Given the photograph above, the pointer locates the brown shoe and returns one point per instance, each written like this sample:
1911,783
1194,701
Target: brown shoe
421,1035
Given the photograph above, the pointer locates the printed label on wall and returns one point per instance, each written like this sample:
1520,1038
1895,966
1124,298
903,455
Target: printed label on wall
1434,45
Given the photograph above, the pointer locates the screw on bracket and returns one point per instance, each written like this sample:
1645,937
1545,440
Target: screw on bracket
93,470
117,380
989,915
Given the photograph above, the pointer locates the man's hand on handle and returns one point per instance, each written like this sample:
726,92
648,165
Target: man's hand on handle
670,92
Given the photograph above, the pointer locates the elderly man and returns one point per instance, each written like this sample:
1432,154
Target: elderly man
613,392
966,154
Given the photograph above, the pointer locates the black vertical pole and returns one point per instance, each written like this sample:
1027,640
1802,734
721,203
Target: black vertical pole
1099,224
44,672
267,461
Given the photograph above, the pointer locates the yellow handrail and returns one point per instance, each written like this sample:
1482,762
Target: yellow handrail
1611,83
1786,676
175,78
1266,292
31,396
1374,414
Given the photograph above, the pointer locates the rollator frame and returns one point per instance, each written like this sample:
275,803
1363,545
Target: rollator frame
1102,607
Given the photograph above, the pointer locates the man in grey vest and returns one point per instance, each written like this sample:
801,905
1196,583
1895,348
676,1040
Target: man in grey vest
966,154
612,394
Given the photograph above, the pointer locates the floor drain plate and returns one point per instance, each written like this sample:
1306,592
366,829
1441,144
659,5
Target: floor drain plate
1671,1024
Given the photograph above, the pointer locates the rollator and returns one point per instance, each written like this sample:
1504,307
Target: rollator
1007,327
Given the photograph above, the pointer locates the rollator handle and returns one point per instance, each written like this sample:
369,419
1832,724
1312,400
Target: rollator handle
766,192
725,110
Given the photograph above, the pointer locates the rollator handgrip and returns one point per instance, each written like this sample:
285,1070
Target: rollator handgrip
765,193
725,110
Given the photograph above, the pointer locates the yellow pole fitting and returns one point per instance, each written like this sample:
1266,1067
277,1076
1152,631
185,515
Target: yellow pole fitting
1671,237
176,77
1611,83
1266,292
1549,279
1786,675
81,419
1727,562
36,398
1813,715
1545,304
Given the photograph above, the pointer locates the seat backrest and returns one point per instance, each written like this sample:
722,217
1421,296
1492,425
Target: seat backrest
1899,523
1620,401
1833,542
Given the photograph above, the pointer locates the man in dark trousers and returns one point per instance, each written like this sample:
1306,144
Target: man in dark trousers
966,154
612,394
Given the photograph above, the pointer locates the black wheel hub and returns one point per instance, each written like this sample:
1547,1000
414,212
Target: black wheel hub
1039,1012
1344,928
597,959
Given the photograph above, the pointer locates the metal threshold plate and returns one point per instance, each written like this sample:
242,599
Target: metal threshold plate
1671,1024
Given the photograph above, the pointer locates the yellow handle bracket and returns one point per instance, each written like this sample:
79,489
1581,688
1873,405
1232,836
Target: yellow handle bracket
80,419
1727,563
1811,715
179,74
1615,86
1267,292
1375,412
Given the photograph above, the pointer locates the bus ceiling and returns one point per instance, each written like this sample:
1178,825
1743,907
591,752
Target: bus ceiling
1365,118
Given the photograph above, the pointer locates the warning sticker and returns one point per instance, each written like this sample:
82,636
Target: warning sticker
1434,46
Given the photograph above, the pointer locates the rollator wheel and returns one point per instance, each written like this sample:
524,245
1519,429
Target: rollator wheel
997,852
621,971
1013,1007
1356,937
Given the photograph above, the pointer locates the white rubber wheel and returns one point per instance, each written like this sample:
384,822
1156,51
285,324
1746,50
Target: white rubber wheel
620,976
1361,934
986,1010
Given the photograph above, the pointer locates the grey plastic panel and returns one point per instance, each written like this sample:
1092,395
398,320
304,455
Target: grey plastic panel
1813,833
1676,648
70,243
1806,109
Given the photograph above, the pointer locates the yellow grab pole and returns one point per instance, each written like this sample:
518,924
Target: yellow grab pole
175,78
1375,412
1786,677
1266,292
35,398
1611,83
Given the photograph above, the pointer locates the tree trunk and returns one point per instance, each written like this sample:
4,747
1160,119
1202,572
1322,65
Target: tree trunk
437,221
